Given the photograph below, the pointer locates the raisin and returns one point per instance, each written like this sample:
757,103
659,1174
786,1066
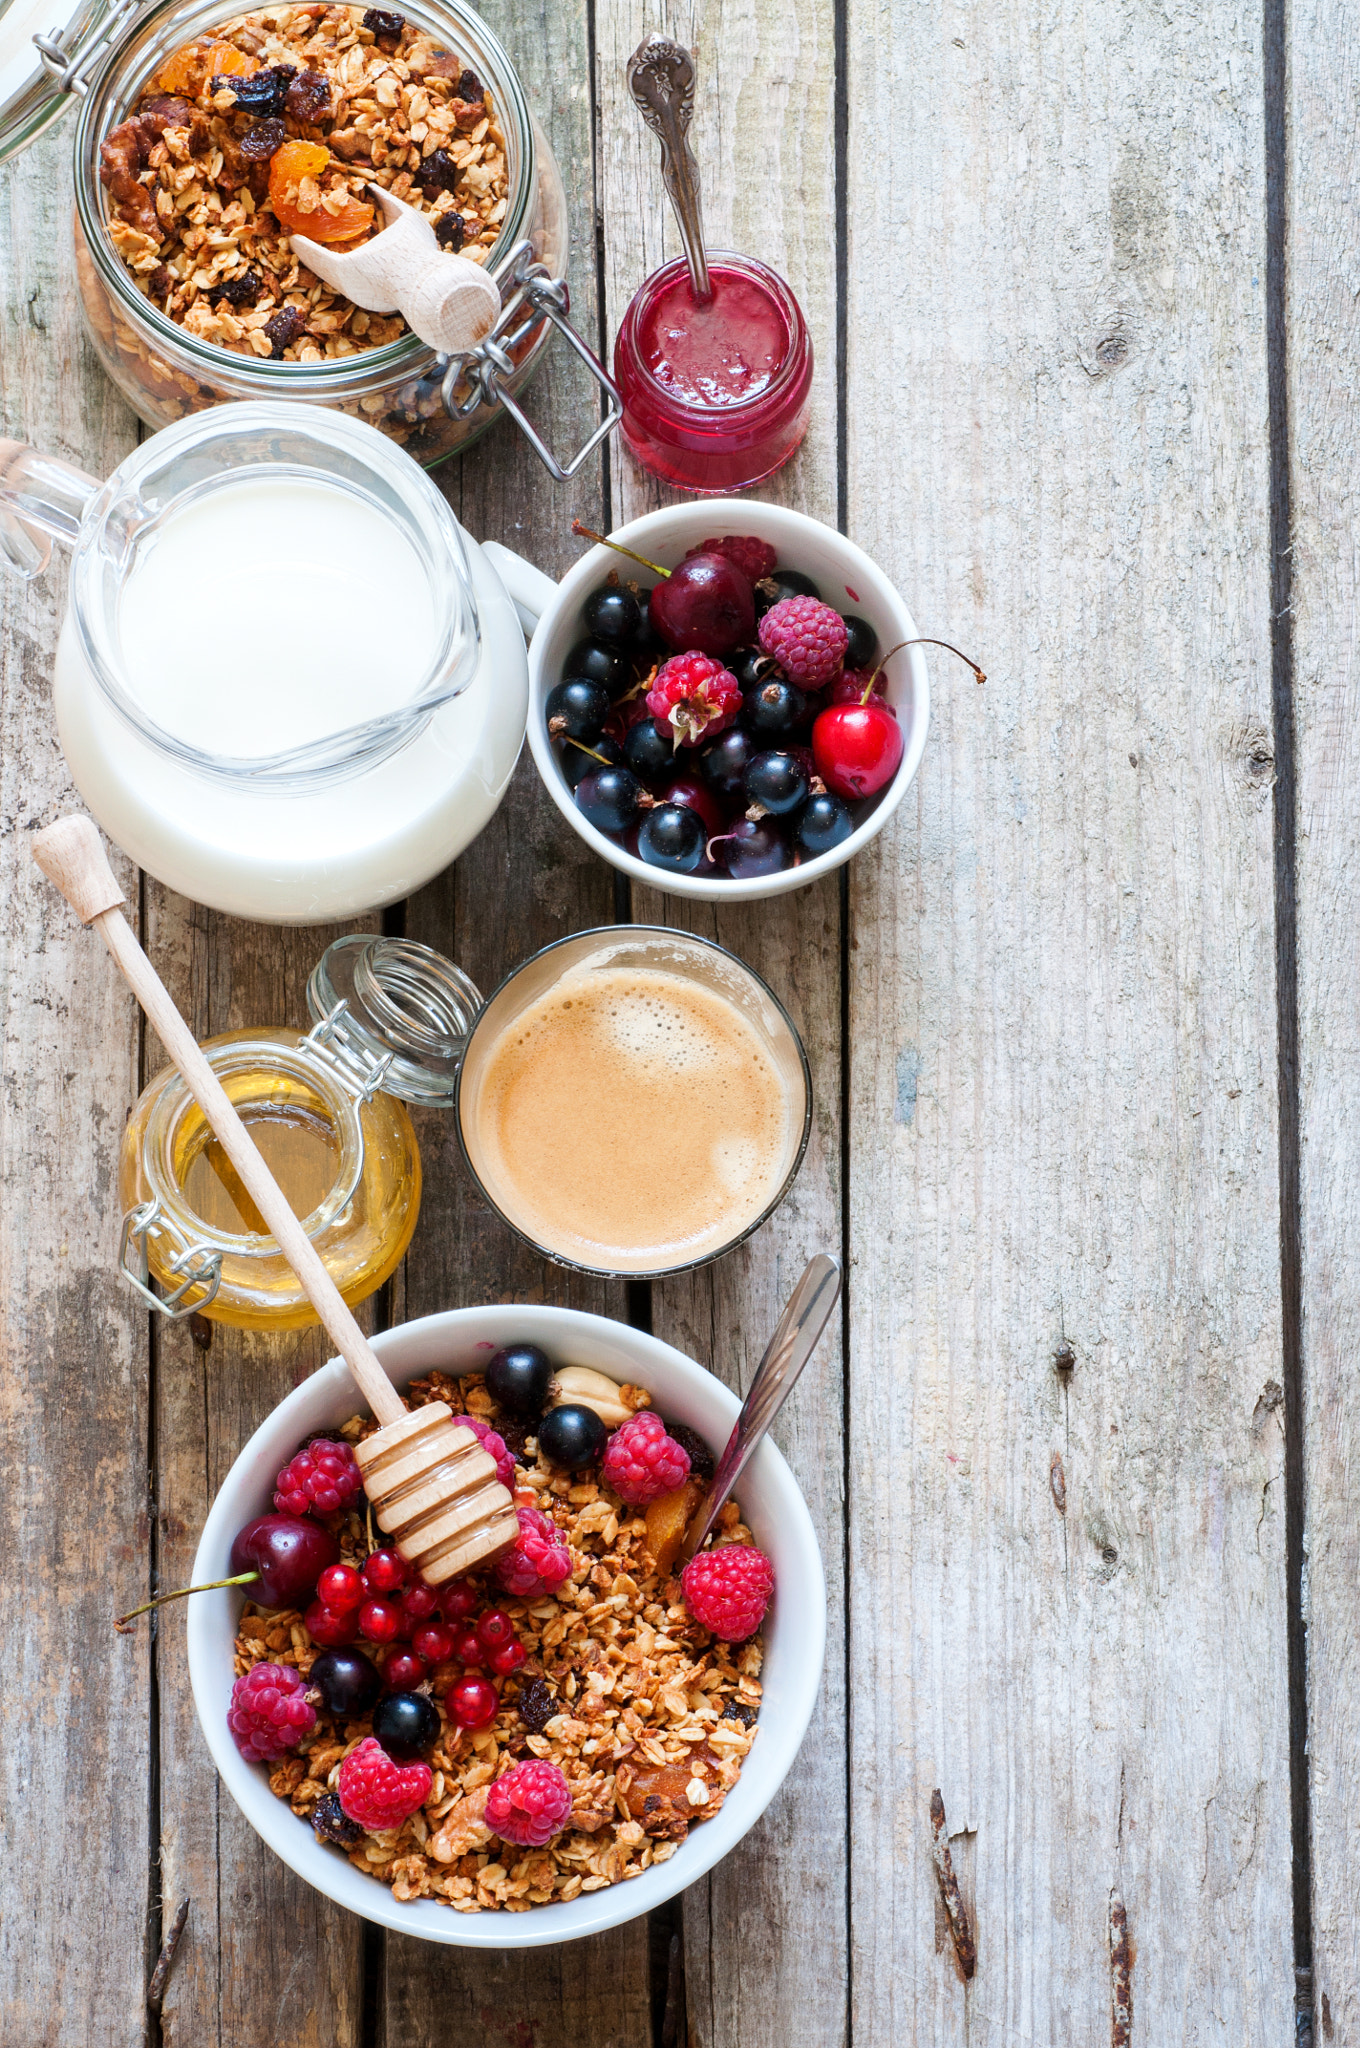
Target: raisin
309,98
330,1823
737,1710
237,291
263,93
470,87
514,1435
283,330
259,143
537,1704
449,231
160,284
386,27
700,1457
438,173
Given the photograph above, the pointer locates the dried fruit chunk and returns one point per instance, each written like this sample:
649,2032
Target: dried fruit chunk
308,99
282,331
237,291
292,169
263,93
668,1517
263,141
384,27
658,1795
194,62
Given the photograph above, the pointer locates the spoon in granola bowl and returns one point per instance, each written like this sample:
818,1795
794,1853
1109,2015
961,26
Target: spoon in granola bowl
788,1351
446,299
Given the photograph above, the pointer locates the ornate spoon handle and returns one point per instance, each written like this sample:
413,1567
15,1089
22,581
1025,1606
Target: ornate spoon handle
788,1351
661,80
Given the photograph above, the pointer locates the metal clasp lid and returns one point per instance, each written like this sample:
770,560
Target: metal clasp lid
360,1071
72,68
390,1015
199,1263
529,293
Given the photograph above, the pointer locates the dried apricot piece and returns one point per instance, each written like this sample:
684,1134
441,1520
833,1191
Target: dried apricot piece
226,61
668,1517
194,63
288,168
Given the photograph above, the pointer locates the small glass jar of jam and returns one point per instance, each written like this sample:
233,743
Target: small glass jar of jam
715,391
328,1112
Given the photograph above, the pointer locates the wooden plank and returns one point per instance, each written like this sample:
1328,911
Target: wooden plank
763,133
1323,338
525,881
1063,1075
264,1958
74,1925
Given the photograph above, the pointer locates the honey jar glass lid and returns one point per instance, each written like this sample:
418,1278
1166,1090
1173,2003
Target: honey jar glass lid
394,1015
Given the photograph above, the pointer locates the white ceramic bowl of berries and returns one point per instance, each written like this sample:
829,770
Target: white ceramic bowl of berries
738,725
462,1341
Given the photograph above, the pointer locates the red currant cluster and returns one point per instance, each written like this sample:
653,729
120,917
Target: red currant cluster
423,1630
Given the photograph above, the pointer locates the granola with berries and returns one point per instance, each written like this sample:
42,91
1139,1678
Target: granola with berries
276,124
549,1726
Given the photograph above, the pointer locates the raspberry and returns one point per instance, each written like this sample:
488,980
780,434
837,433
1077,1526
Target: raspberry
269,1713
539,1560
693,698
377,1792
529,1805
323,1476
640,1461
806,638
728,1590
495,1447
755,558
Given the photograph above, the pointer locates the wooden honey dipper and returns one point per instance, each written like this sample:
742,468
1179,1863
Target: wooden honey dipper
434,1489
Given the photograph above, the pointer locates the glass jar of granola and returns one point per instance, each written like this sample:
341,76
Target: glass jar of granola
189,285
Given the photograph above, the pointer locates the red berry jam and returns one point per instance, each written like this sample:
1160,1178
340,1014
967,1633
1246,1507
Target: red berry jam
715,391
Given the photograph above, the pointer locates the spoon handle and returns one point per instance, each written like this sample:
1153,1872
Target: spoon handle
661,80
788,1351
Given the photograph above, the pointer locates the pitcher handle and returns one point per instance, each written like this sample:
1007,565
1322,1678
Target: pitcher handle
531,592
42,499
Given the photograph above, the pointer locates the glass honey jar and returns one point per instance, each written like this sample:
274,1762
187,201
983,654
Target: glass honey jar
328,1112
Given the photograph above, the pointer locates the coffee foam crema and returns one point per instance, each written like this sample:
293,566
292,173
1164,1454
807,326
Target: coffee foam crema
631,1119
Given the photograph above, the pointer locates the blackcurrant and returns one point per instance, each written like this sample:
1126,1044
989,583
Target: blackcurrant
724,762
672,836
751,667
578,761
571,1436
649,751
347,1680
774,711
612,614
646,650
862,645
823,823
782,583
406,1724
519,1377
576,709
777,782
609,798
753,847
598,663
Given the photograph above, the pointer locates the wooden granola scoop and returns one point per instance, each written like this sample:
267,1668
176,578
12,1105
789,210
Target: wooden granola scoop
434,1489
446,299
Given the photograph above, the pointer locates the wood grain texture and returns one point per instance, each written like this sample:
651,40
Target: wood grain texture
763,134
74,1923
1063,1084
1323,331
264,1959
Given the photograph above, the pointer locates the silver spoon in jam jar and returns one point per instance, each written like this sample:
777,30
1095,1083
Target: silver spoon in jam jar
661,80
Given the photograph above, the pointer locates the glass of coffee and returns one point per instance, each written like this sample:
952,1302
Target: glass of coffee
633,1101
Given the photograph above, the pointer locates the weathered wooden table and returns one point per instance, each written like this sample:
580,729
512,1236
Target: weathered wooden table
1084,290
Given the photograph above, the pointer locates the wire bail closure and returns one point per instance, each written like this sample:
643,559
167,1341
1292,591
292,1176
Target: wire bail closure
72,69
199,1263
529,293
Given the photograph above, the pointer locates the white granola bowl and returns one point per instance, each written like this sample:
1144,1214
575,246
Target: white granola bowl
795,1632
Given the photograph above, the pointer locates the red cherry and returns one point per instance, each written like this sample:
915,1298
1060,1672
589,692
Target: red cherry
705,606
289,1555
341,1587
495,1629
419,1602
458,1601
404,1671
508,1658
330,1626
693,795
473,1702
467,1646
849,688
857,748
433,1642
384,1571
380,1621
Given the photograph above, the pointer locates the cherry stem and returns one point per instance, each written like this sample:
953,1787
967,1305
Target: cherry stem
923,642
121,1621
587,533
607,763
